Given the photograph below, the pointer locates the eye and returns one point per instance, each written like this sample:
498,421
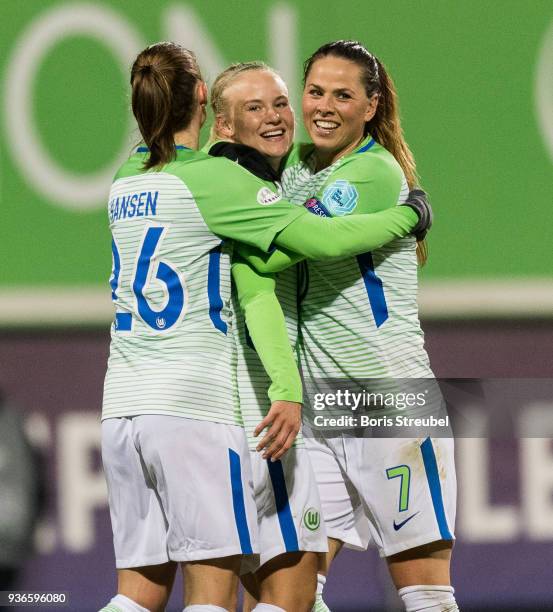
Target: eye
282,104
253,107
314,92
343,96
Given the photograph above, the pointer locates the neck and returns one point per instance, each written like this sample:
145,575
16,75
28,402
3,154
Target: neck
327,158
188,138
274,162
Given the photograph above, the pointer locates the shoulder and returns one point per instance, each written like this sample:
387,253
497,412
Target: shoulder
217,179
229,174
248,157
203,167
372,164
365,181
133,165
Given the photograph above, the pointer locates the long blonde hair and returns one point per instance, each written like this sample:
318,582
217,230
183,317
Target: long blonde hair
385,126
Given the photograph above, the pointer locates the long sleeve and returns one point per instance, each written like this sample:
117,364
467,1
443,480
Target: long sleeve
315,238
321,238
267,328
268,263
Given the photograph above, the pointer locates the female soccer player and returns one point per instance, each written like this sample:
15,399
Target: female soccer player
251,107
250,104
174,453
359,321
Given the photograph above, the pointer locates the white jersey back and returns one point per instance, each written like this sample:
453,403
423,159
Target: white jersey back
170,350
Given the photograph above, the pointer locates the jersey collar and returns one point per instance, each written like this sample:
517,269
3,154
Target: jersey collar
367,144
180,149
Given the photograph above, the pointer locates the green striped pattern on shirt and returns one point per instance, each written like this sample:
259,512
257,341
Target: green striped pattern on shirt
340,335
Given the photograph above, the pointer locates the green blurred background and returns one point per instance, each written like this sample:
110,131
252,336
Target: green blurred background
472,77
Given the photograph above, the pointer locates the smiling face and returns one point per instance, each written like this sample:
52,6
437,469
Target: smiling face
335,107
258,114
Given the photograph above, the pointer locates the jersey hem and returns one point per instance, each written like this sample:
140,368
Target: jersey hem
298,444
173,413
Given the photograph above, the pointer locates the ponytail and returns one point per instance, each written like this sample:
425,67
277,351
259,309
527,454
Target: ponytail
163,80
386,128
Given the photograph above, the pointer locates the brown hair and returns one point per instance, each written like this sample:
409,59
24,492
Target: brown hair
223,80
385,126
163,80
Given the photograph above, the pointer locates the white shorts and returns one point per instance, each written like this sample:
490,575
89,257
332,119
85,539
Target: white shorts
289,516
401,492
179,489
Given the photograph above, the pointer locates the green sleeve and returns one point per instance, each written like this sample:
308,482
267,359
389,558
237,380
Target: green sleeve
235,204
322,238
268,263
364,183
314,237
267,328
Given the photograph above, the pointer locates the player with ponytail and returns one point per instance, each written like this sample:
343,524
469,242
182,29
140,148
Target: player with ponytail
359,323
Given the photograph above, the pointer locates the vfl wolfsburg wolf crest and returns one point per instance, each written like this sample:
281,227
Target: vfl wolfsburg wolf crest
312,519
340,197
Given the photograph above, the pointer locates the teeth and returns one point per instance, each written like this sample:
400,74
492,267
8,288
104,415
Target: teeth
273,133
327,125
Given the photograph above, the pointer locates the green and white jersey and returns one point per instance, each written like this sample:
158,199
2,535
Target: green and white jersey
253,381
359,315
172,348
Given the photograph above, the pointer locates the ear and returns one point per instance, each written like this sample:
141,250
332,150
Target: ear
371,109
202,93
224,127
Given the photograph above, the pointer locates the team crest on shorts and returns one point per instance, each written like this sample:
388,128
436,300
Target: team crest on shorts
266,196
312,519
340,198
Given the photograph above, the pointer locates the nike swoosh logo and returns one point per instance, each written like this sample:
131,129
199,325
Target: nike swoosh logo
398,526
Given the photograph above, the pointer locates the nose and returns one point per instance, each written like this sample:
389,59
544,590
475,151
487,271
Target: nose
273,116
325,105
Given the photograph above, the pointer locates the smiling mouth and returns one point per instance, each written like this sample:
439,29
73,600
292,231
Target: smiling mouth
273,134
325,125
